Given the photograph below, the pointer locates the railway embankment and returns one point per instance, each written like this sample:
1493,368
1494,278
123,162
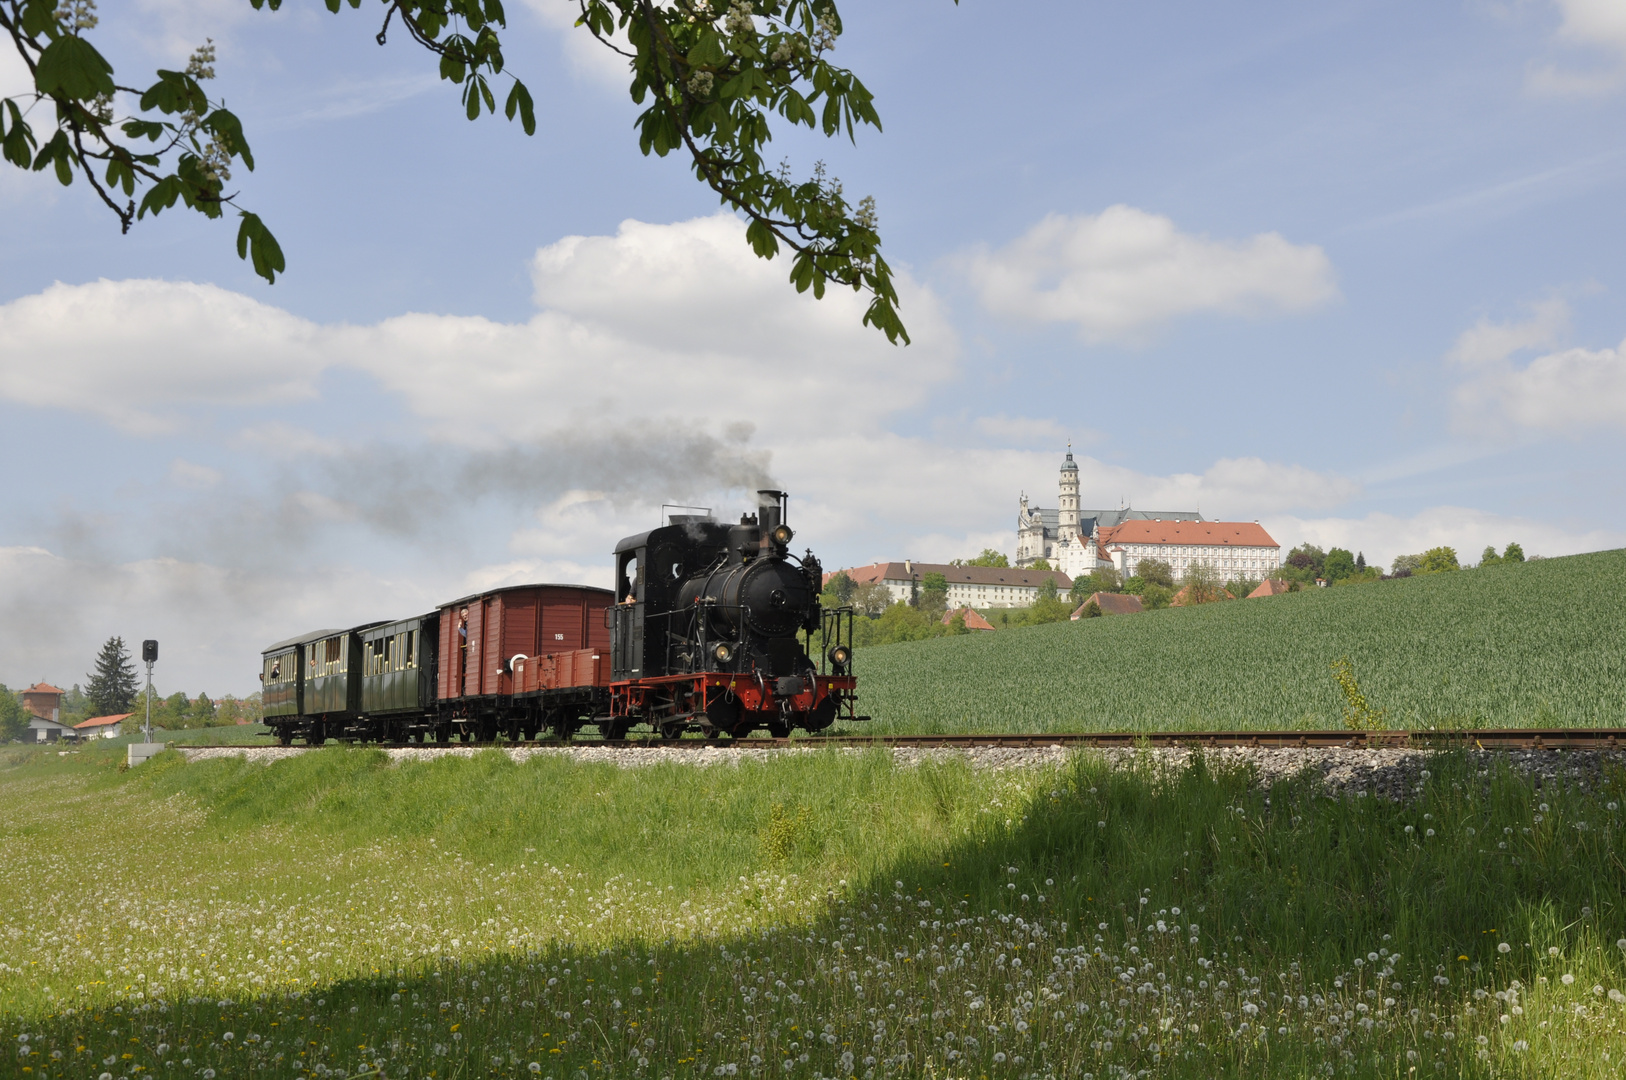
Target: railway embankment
1375,772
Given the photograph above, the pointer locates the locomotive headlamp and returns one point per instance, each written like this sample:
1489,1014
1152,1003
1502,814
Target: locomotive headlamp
840,655
782,534
723,653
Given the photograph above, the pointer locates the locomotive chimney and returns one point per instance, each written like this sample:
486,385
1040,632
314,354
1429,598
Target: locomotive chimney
770,509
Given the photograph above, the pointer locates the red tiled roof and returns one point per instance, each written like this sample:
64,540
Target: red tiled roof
963,575
43,688
1238,533
103,721
973,621
1271,587
1111,604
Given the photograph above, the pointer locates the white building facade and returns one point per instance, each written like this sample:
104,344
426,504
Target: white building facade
968,586
1230,549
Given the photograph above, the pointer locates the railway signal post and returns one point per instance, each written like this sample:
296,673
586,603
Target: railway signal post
141,751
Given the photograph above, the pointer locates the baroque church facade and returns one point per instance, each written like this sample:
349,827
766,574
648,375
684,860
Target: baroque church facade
1077,542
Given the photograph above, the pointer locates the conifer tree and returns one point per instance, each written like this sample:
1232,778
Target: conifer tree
112,687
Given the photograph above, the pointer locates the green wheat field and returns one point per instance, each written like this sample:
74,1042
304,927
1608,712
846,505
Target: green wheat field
1539,644
828,915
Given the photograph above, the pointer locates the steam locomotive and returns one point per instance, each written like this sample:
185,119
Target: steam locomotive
708,629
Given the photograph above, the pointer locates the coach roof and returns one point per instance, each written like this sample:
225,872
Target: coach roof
514,588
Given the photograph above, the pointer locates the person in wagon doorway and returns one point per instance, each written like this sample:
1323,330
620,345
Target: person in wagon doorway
462,650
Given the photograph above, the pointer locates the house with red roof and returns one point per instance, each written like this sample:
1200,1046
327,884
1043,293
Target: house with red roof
1108,603
1271,587
43,700
973,621
102,727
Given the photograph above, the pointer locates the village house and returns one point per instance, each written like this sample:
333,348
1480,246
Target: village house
1109,604
968,586
43,700
102,727
972,620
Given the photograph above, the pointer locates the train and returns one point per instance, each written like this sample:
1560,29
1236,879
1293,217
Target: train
712,627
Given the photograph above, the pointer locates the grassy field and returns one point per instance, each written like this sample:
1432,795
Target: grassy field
1534,644
827,915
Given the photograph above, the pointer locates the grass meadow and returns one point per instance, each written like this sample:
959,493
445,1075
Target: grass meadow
1528,645
823,915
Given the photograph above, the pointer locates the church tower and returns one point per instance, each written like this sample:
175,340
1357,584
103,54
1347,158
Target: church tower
1067,515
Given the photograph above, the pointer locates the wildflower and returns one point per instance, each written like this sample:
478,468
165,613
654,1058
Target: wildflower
1568,979
1504,947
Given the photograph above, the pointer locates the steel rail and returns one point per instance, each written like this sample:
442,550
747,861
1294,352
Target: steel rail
1483,739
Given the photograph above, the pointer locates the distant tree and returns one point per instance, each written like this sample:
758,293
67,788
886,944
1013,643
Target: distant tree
233,710
1360,562
933,594
112,687
1337,565
1514,553
1155,572
1092,610
13,718
1307,557
1438,560
1041,564
1048,589
1405,565
202,711
1242,586
1201,585
1488,557
990,557
957,624
870,598
1154,596
838,592
75,706
1104,579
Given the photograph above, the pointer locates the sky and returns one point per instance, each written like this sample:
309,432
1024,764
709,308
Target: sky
1351,269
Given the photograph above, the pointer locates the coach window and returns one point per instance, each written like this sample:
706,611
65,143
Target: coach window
412,649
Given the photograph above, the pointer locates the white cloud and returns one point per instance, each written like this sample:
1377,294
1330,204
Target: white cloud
659,321
132,352
1489,343
279,439
1594,32
1381,536
1124,273
1564,391
188,474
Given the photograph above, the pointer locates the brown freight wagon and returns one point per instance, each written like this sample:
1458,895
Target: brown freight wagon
524,658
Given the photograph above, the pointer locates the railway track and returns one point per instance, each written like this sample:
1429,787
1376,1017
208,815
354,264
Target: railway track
1485,739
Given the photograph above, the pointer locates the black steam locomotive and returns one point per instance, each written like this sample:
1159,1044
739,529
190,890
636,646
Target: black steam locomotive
708,629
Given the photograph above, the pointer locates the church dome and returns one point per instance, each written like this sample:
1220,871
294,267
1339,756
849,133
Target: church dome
1068,465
